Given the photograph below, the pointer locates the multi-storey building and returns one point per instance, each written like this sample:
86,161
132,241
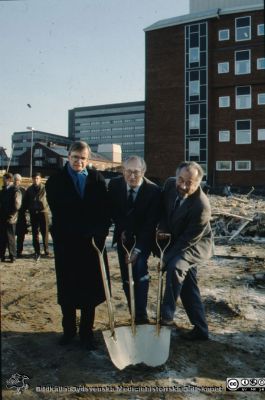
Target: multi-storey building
120,123
205,92
23,141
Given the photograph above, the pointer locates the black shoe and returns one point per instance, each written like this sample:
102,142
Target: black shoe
142,320
65,340
47,253
88,343
37,257
167,322
194,334
3,259
12,259
19,255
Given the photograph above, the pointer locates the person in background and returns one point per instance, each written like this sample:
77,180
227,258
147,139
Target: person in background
227,190
77,197
134,205
21,226
186,216
35,201
10,203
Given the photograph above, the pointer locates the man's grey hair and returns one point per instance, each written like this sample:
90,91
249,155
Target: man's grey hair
17,177
189,165
140,160
79,146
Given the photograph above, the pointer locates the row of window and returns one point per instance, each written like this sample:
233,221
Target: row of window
242,64
128,128
240,165
243,98
243,136
111,121
242,30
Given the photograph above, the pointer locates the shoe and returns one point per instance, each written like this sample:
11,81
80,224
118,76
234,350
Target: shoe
88,343
167,322
19,255
65,340
12,259
3,259
37,257
142,320
194,334
47,253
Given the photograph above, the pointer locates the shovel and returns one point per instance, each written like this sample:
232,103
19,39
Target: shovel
160,278
131,345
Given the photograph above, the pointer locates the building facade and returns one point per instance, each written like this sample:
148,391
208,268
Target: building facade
120,123
23,141
205,93
47,159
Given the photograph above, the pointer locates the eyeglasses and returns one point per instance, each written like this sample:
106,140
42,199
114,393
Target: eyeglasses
136,172
77,158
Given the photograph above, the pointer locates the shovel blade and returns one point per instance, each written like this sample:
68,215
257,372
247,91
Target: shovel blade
146,346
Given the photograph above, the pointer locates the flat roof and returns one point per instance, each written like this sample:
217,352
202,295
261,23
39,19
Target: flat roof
201,15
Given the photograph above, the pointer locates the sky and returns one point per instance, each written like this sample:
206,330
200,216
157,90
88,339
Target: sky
61,54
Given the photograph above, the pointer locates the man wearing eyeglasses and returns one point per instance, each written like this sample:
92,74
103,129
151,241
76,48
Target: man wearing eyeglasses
77,197
134,204
186,216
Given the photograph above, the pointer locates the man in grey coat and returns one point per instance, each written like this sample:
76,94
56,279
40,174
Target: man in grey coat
186,216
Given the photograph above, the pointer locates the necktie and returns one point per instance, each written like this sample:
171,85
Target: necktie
130,200
176,203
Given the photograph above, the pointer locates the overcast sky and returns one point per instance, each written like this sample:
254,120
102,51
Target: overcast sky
61,54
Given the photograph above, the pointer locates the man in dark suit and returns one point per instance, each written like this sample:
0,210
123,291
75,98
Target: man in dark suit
134,204
21,226
186,217
77,197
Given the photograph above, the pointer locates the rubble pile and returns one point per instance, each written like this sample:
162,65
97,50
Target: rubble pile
238,217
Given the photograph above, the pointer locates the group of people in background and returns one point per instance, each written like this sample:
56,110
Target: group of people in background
15,201
83,207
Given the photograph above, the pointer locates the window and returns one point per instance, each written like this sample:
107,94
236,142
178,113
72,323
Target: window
261,134
261,63
38,163
224,101
223,34
243,131
223,68
223,165
224,136
261,98
38,153
194,88
243,28
243,165
242,62
260,29
51,160
243,97
194,121
194,54
194,147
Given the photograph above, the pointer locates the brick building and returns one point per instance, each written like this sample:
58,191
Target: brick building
205,92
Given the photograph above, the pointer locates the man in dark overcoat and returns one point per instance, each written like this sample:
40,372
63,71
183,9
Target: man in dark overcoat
134,208
186,216
10,203
77,198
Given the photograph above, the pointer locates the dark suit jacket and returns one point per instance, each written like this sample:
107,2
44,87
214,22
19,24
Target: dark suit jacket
142,221
189,224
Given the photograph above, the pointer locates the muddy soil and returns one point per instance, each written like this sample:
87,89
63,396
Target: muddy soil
235,307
